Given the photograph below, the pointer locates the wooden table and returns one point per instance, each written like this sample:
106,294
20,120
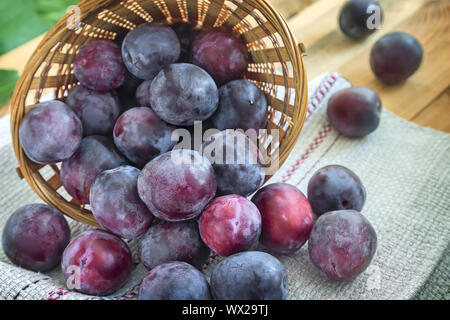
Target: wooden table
424,98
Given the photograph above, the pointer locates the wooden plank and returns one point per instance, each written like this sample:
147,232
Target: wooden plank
437,114
327,47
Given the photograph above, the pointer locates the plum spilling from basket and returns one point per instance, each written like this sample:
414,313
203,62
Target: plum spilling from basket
174,280
287,217
182,93
98,111
334,188
395,57
99,66
117,139
176,241
342,244
149,48
221,53
242,105
35,236
78,173
358,18
141,135
249,275
230,224
236,162
355,112
177,185
96,262
116,205
51,132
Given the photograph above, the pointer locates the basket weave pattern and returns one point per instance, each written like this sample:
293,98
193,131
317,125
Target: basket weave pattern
276,66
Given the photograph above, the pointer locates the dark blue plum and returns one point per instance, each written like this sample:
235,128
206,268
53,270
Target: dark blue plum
250,275
173,241
334,188
174,281
149,48
35,236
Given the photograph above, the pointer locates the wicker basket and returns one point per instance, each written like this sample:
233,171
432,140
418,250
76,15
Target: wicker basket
276,67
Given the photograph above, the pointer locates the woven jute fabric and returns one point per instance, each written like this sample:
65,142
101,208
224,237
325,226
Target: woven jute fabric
405,169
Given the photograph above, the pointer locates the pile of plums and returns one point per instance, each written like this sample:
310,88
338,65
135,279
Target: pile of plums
113,135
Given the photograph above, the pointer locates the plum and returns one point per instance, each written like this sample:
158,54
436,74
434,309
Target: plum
96,154
242,105
238,169
355,112
35,236
116,205
221,53
98,111
182,93
143,93
173,241
342,244
395,57
354,18
250,275
149,48
334,188
99,260
174,281
141,135
230,224
287,217
99,66
177,185
50,132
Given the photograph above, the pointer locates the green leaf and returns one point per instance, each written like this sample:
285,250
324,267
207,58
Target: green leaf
23,20
8,79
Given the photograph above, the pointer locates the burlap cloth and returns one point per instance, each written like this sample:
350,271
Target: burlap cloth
405,169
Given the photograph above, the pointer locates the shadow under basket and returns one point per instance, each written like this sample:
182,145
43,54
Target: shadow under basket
276,66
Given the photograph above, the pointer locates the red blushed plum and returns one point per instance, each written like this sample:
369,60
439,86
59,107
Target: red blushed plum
173,241
149,48
174,281
342,244
334,188
250,275
238,169
183,93
99,66
230,224
101,260
96,154
141,135
242,105
98,111
396,57
51,132
287,217
221,53
355,112
143,93
177,185
35,236
116,205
